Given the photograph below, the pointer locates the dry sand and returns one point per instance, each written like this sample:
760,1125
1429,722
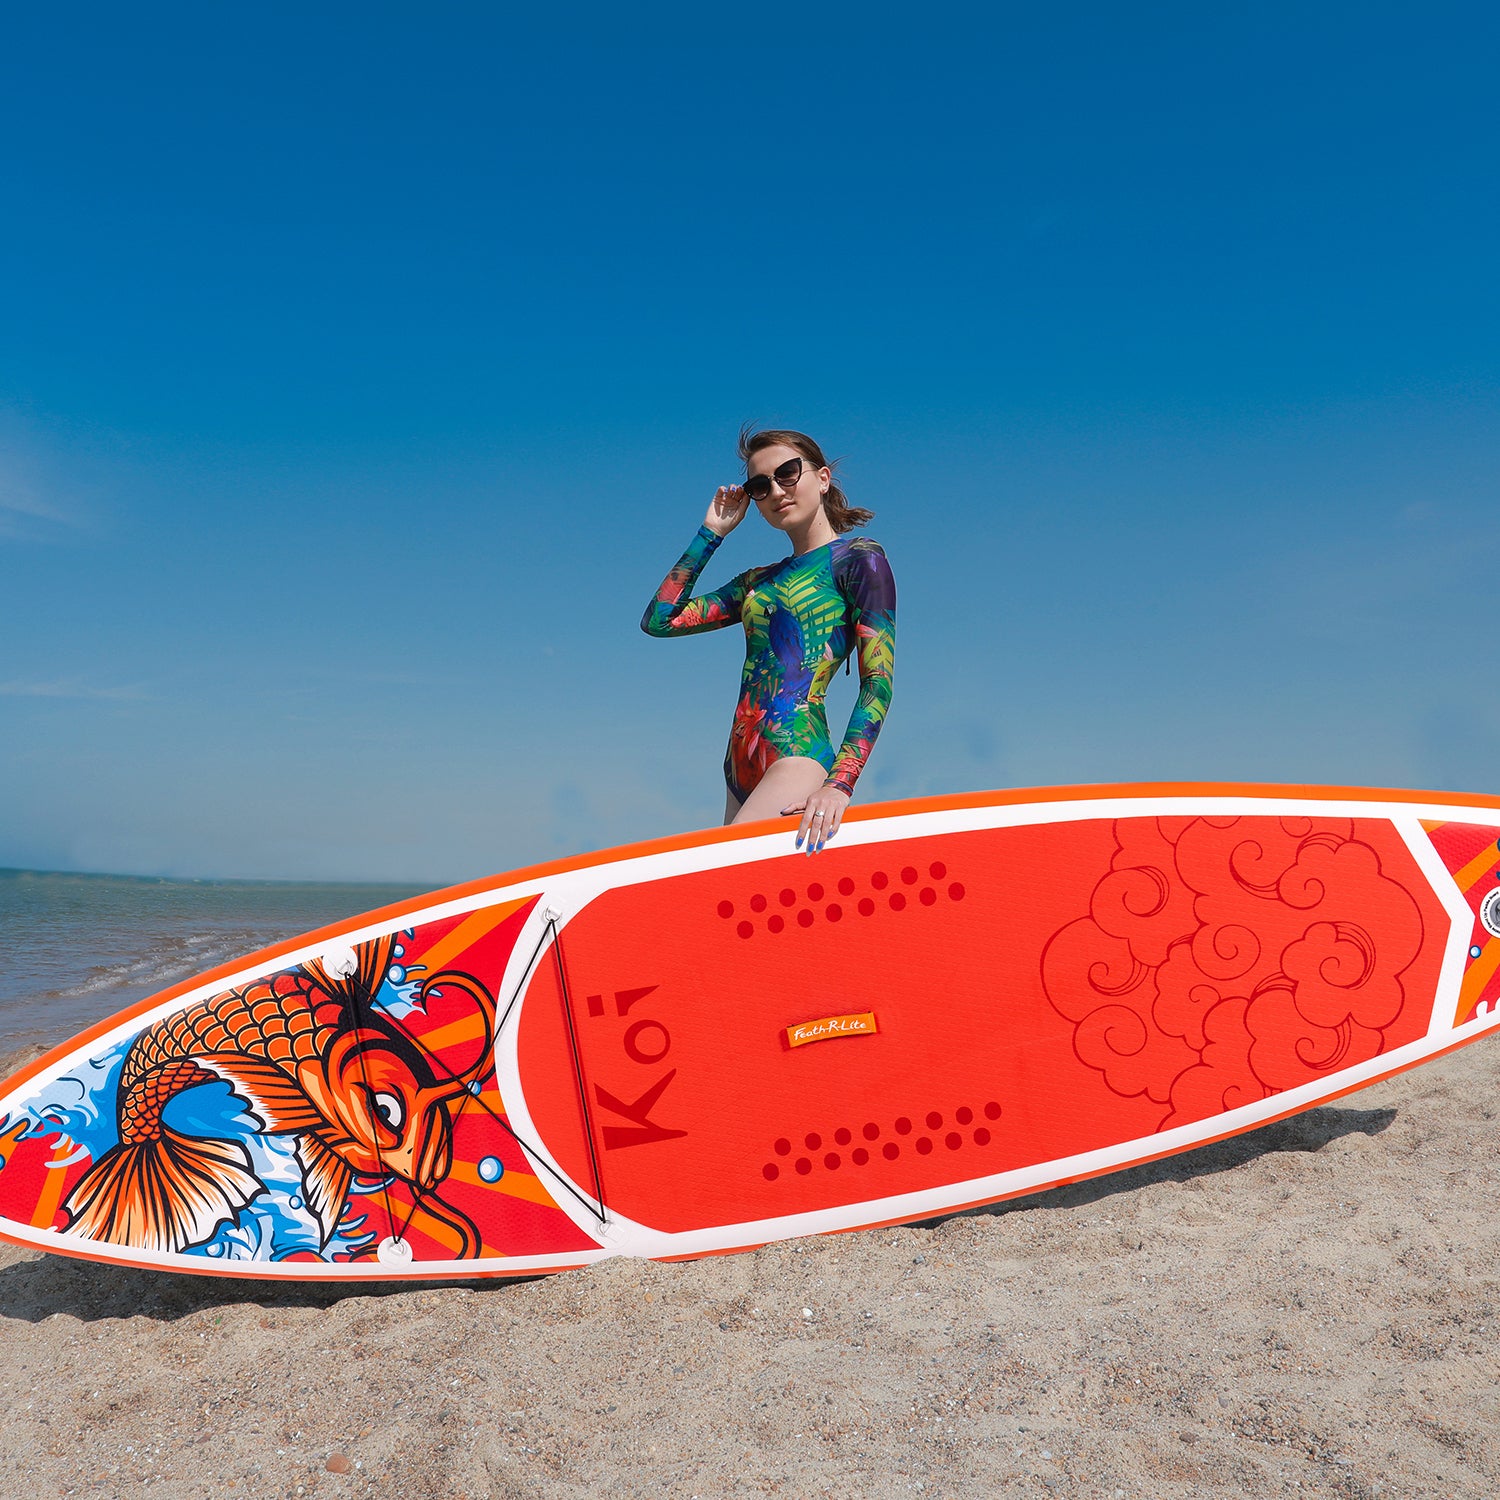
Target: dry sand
1310,1309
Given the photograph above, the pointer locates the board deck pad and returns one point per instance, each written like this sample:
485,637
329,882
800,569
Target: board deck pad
711,1042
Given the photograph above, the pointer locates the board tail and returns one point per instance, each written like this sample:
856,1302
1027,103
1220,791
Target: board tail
163,1194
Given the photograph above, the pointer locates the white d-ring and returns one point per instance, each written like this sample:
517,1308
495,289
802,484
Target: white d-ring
393,1252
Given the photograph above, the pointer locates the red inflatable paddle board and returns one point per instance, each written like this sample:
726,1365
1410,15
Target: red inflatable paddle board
709,1042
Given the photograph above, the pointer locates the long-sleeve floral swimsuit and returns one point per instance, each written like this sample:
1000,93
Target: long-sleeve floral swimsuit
803,617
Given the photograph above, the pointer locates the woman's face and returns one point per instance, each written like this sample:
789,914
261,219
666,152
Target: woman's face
788,507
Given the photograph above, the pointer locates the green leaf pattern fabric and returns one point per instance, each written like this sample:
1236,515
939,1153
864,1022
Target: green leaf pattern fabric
803,617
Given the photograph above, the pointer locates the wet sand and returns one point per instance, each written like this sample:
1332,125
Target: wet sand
1312,1309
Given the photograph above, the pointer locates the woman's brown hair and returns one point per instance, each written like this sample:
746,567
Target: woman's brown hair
841,515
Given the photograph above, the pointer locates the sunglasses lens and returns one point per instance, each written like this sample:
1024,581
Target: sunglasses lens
758,486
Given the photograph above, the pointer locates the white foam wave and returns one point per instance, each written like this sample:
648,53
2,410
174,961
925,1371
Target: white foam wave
172,959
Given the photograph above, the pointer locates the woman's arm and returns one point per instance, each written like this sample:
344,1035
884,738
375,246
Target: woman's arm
673,612
866,582
869,586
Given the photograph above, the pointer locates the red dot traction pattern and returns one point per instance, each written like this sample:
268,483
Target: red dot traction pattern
813,902
953,1140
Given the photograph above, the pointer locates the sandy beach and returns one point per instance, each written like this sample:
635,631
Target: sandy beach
1310,1309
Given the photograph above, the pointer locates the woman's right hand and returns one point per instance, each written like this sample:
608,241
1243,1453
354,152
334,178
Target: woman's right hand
727,509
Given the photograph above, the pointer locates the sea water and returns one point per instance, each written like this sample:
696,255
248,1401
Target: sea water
77,948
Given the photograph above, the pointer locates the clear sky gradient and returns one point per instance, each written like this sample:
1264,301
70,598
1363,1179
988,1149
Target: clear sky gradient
363,368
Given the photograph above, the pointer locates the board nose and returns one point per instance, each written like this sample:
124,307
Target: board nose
1470,852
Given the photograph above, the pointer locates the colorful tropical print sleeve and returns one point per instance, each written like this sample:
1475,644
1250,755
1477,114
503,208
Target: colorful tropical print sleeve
865,579
673,612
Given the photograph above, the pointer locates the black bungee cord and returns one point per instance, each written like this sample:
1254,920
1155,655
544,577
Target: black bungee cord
364,1068
597,1209
583,1090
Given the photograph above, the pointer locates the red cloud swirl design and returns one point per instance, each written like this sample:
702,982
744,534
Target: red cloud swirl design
1223,960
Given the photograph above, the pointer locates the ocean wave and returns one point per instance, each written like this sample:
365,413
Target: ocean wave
170,959
82,947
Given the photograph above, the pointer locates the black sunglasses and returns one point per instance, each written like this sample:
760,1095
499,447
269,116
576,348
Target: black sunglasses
758,486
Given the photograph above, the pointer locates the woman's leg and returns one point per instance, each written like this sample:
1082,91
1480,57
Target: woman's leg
732,805
786,781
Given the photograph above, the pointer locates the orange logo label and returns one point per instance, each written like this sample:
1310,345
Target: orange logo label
830,1027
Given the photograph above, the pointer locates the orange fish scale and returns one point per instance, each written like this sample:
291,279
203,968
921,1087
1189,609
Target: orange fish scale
267,1015
141,1115
272,1019
232,1010
208,1029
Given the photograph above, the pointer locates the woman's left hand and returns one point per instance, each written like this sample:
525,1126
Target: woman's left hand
821,815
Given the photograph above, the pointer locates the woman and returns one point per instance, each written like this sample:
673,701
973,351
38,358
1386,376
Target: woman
803,617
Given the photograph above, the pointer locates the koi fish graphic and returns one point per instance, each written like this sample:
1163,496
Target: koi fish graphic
315,1061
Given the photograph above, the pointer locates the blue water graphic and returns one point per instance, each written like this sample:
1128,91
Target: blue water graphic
79,1108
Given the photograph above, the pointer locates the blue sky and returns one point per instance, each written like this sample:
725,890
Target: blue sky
363,368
